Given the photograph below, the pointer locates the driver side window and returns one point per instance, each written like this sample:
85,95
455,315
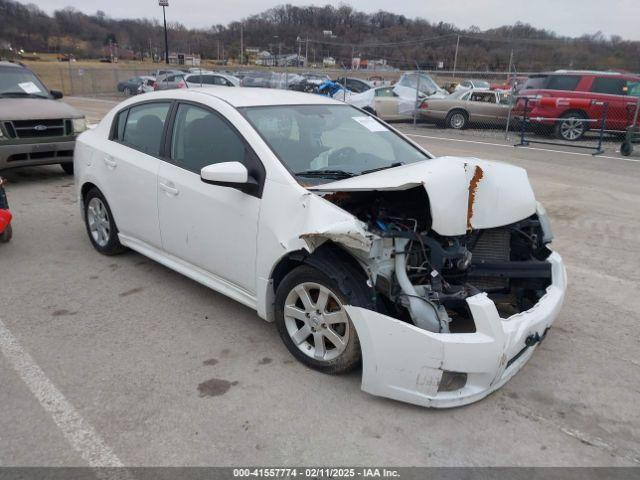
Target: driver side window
200,138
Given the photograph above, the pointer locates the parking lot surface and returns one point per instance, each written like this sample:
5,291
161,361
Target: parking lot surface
111,360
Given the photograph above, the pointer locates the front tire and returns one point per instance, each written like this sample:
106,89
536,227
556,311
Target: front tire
67,167
7,234
626,149
312,321
101,227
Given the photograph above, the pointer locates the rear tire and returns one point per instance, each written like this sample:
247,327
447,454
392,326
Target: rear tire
101,227
571,127
312,321
67,167
458,120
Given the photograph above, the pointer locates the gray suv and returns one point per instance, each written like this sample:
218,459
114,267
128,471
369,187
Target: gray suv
35,127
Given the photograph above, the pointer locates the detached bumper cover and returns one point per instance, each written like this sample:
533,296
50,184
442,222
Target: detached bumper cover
403,362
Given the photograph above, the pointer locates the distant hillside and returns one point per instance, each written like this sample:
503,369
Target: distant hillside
404,42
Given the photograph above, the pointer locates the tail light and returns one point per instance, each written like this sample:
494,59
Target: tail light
424,105
181,84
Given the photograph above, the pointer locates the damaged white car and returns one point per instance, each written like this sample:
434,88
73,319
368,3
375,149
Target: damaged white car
434,273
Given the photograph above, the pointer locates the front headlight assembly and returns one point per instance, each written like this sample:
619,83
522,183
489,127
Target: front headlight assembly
79,125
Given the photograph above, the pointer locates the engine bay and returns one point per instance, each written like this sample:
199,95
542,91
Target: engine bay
424,278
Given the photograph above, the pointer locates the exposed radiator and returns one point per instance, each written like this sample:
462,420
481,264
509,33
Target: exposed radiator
492,246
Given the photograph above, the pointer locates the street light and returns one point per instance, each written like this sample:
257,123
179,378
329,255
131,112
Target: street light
164,4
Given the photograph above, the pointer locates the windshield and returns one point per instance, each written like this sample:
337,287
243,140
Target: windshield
21,82
481,84
330,141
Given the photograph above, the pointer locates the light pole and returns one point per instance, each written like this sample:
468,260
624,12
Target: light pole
164,4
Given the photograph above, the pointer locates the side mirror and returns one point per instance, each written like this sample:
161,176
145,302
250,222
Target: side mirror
232,175
226,172
56,94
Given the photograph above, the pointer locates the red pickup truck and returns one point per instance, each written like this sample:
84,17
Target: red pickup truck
572,102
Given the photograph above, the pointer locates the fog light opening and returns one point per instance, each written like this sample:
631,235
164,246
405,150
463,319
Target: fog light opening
452,381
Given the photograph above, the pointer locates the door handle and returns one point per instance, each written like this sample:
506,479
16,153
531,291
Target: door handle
169,189
110,162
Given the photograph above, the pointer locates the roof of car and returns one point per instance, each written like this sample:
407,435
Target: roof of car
249,97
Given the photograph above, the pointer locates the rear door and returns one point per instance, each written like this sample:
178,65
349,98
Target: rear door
209,226
129,167
621,106
484,108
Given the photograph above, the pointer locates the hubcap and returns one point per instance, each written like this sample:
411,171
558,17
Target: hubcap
572,128
457,120
316,321
98,220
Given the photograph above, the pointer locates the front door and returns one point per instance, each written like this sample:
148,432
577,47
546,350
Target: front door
209,226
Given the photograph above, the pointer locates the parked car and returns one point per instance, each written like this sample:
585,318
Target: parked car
358,243
581,95
147,85
469,84
132,85
168,81
465,107
409,82
382,102
36,128
355,85
195,80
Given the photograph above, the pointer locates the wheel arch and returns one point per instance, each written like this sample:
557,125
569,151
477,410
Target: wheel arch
330,258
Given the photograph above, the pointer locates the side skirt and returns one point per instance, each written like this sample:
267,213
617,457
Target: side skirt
194,273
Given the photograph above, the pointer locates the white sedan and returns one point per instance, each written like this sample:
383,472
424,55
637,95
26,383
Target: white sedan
435,273
207,79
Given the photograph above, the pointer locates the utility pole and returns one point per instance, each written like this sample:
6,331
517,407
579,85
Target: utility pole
164,4
241,44
455,58
306,52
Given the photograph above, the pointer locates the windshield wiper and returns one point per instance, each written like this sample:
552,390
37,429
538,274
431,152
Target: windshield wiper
338,174
21,94
393,165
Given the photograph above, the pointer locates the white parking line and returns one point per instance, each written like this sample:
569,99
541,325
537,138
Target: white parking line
82,436
528,148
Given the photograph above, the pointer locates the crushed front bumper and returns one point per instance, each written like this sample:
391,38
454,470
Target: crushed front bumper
406,363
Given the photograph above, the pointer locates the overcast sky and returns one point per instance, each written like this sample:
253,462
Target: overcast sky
565,17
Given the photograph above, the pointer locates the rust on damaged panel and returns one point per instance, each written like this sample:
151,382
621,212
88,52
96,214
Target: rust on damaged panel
473,186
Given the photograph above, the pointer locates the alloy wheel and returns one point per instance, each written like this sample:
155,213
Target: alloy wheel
316,321
572,128
98,220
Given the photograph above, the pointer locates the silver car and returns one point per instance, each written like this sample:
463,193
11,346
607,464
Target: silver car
168,81
465,107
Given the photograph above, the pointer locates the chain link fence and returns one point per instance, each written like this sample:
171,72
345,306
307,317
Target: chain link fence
489,106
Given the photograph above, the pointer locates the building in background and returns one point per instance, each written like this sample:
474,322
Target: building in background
190,59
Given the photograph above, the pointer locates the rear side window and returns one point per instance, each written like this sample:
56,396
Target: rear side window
144,126
563,82
612,86
201,138
535,82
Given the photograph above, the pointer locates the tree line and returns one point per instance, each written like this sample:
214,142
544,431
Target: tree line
405,43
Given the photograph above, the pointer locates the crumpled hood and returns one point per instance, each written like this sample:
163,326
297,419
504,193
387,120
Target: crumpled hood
35,109
464,193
